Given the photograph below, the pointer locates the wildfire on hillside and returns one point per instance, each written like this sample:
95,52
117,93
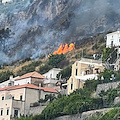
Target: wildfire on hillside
64,48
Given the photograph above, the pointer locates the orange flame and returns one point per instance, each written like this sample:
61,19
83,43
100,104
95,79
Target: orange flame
64,49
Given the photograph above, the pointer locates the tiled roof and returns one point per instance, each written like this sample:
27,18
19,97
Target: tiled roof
20,86
28,86
48,90
32,74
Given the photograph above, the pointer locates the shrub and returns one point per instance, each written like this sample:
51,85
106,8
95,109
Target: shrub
44,68
65,73
54,60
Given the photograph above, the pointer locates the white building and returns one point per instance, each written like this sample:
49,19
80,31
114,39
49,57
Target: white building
52,73
51,77
5,1
32,78
9,82
113,39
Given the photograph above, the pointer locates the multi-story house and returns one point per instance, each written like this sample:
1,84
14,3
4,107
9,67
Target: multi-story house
51,77
113,39
83,70
32,78
16,100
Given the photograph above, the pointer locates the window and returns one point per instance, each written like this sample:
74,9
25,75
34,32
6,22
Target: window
76,72
111,43
7,111
119,40
15,113
76,64
12,97
1,112
71,84
21,97
50,75
3,98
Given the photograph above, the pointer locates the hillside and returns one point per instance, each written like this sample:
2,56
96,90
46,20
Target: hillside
30,28
83,48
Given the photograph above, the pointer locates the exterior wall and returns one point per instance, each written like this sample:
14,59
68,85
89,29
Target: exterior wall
82,75
43,93
77,84
4,105
32,95
36,110
52,73
22,81
11,105
17,105
115,36
117,65
6,83
106,86
4,1
37,81
84,115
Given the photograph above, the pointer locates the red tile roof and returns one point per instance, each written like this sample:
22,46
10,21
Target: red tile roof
19,87
48,90
28,86
32,75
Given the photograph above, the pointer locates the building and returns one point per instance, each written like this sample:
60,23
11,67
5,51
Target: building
113,39
51,74
117,65
15,101
5,1
32,78
9,82
83,70
51,77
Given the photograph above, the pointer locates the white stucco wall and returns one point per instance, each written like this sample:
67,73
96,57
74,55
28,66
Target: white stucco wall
4,1
52,73
115,37
22,81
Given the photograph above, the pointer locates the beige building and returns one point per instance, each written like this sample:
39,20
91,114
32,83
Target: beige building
117,65
83,70
16,100
32,78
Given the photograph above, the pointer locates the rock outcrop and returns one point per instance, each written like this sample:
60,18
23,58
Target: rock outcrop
40,26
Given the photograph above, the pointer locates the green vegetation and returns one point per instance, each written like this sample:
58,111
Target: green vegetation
77,102
4,75
49,97
107,74
65,73
44,68
113,114
54,60
28,68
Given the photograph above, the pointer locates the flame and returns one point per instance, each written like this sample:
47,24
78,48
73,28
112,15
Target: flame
64,48
71,46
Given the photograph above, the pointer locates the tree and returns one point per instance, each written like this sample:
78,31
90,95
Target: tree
65,73
54,60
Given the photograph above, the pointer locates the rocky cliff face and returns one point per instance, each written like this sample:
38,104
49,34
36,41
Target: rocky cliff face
39,26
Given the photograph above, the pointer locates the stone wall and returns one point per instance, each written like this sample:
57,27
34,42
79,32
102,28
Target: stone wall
84,115
106,86
36,110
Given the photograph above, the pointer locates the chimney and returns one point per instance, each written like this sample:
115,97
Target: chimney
11,77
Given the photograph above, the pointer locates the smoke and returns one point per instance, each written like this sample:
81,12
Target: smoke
41,26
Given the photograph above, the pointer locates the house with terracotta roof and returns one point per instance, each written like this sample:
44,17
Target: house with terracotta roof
32,78
16,100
